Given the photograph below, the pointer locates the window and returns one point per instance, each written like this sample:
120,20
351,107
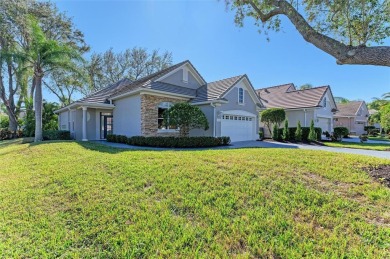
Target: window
240,95
324,102
164,125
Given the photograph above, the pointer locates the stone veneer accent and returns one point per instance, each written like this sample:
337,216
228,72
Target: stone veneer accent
149,114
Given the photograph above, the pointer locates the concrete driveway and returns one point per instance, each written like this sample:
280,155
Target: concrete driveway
265,144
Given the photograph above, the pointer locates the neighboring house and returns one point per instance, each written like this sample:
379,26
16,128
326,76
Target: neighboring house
315,103
136,108
352,115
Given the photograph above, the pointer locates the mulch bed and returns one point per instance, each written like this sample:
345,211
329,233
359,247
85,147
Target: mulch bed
380,173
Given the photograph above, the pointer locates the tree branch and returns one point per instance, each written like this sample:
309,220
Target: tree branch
361,55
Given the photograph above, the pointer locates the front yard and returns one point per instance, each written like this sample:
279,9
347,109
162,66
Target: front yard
69,199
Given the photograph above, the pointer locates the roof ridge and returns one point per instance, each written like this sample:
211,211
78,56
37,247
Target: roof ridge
239,76
274,86
117,83
307,89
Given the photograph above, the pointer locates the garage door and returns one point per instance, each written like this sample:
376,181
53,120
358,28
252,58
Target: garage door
324,124
238,127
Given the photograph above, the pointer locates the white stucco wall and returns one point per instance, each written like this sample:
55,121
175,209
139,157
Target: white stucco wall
127,116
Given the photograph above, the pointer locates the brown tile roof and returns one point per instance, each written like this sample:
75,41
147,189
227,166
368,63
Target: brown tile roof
215,90
288,97
348,109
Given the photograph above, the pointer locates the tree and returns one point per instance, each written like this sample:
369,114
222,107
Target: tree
305,86
343,29
109,67
186,117
43,57
286,132
385,117
312,133
273,116
298,132
341,100
275,132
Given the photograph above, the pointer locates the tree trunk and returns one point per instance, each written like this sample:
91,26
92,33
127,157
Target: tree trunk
38,108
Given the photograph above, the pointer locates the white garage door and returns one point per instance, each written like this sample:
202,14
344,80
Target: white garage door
238,127
324,124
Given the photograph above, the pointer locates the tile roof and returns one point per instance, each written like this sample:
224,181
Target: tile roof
288,97
215,90
348,109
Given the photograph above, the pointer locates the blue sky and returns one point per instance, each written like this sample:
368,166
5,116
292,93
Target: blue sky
204,32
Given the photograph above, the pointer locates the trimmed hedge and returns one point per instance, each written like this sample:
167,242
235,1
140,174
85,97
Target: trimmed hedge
305,133
177,142
341,132
56,135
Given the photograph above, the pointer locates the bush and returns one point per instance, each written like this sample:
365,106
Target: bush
56,135
363,138
312,133
276,133
286,132
305,133
297,133
5,133
178,142
4,121
340,132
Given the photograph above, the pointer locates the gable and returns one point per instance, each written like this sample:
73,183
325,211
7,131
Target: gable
185,76
249,93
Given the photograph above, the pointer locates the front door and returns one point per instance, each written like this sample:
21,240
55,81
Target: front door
106,121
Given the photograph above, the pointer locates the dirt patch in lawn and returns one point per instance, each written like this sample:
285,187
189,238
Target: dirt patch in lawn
380,173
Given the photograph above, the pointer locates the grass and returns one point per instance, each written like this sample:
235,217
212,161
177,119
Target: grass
72,200
379,138
368,146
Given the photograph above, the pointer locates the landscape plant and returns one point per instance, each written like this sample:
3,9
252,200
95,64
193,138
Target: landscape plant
298,132
312,134
186,117
275,133
273,116
286,131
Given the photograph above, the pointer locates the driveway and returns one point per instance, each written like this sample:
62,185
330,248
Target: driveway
265,144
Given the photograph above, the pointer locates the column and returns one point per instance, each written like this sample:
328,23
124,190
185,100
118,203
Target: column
84,124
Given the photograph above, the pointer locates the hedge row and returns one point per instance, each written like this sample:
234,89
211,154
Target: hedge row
56,135
305,133
177,142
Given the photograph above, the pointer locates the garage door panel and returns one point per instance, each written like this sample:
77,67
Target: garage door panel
238,128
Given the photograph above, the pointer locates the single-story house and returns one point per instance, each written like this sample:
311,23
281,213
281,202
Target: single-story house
315,104
135,108
352,115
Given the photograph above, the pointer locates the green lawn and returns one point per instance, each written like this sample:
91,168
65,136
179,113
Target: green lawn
369,146
379,138
72,200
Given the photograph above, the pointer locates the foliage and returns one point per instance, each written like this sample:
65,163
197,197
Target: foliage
298,132
286,132
312,133
363,138
341,100
273,116
49,118
109,67
4,121
369,129
126,203
305,133
305,86
385,117
172,142
56,135
261,135
186,117
5,133
275,133
340,132
342,29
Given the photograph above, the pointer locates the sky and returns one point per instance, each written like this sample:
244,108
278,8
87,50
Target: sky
204,32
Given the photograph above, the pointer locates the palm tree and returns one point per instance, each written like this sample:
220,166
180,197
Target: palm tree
386,95
44,56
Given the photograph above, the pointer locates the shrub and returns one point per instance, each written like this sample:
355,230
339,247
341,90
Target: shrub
178,142
272,116
363,138
286,132
4,121
340,132
5,133
275,133
305,133
298,132
312,134
56,135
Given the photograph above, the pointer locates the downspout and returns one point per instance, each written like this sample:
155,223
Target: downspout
214,116
304,110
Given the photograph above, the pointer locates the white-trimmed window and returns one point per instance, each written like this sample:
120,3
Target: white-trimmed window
324,102
164,125
240,95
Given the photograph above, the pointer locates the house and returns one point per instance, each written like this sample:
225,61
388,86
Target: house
135,108
352,115
315,103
